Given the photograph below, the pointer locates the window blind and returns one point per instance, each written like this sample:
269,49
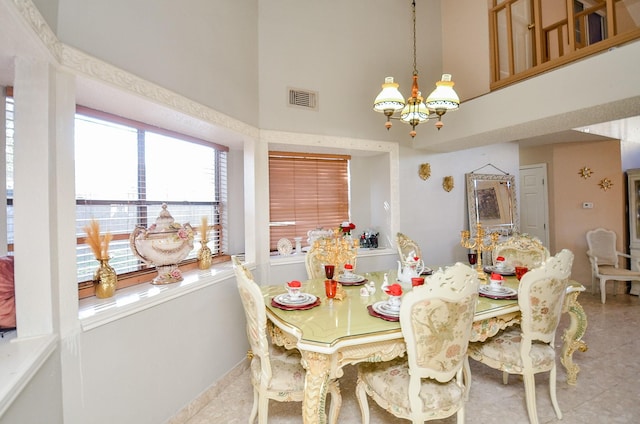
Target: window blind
306,192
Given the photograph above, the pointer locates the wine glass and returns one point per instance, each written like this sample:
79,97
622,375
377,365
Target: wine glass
328,271
473,258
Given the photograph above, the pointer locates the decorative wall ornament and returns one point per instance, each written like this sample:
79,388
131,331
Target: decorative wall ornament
605,184
424,171
447,183
585,172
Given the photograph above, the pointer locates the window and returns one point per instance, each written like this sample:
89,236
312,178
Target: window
126,170
306,192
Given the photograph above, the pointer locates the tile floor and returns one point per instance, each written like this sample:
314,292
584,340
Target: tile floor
607,389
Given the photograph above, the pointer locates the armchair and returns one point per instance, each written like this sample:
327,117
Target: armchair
529,349
523,249
604,259
428,384
276,373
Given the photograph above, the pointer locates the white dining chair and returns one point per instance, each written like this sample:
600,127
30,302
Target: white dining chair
604,258
407,246
529,349
521,249
435,320
276,372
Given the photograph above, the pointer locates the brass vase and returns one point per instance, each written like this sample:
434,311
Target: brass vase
204,255
105,280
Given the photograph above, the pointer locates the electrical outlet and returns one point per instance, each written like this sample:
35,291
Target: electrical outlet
587,205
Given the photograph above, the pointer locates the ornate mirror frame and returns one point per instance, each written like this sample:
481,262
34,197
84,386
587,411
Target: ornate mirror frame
492,201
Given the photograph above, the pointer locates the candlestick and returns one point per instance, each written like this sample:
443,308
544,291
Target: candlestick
478,243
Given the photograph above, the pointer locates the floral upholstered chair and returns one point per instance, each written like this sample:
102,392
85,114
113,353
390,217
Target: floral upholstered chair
331,250
523,250
436,320
529,349
276,373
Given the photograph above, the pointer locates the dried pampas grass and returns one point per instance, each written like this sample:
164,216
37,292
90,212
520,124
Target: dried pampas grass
99,244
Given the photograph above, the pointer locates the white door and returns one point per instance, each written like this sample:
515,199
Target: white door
534,215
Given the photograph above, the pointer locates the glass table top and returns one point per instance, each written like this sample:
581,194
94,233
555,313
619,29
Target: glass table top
336,321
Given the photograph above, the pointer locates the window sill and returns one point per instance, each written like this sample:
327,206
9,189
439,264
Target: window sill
295,258
21,360
94,312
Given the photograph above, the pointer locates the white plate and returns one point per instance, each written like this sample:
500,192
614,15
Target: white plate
354,278
284,246
497,292
383,307
301,300
506,270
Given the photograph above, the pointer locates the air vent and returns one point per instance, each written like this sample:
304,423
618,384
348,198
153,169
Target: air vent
303,98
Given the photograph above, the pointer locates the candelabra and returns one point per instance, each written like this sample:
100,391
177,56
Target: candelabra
478,243
336,249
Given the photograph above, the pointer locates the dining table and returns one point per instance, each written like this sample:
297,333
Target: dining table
338,332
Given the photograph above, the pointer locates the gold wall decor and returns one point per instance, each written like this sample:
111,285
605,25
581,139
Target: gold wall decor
585,172
424,171
605,184
447,183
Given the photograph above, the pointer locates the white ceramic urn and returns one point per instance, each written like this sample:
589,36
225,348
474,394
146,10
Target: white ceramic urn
163,245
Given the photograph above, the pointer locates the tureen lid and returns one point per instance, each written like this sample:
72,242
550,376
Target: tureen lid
164,222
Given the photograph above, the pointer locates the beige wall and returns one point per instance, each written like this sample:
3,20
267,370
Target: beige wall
568,221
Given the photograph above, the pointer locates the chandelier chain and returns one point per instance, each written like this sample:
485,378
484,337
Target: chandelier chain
415,63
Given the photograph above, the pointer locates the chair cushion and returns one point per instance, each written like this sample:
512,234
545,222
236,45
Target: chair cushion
611,270
503,352
287,372
388,382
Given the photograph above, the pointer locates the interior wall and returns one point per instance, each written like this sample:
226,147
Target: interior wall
205,50
434,217
460,48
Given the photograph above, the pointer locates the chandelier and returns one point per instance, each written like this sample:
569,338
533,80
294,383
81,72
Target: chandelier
415,110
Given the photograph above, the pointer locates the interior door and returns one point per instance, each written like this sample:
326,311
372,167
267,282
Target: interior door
534,212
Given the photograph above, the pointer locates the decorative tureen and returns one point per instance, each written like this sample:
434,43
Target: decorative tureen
164,245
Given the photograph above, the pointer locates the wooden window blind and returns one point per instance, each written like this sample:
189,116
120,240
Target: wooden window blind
306,192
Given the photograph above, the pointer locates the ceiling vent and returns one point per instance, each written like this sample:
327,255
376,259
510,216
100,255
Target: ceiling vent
303,98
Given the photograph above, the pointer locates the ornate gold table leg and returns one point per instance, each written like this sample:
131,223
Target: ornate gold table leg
572,335
318,366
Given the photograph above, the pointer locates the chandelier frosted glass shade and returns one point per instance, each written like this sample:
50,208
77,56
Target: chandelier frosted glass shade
390,98
444,96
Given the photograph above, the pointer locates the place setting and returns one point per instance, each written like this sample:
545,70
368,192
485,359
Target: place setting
501,267
350,278
496,289
388,310
294,299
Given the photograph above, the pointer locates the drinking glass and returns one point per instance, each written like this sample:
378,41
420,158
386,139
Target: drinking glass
328,271
330,288
520,271
473,258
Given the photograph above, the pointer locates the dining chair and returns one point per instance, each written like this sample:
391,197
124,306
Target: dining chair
529,349
436,320
276,372
406,246
604,258
521,249
334,250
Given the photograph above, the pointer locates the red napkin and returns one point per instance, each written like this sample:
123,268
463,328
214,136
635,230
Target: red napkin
394,290
294,283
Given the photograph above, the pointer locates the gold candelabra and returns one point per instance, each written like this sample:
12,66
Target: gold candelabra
335,249
478,243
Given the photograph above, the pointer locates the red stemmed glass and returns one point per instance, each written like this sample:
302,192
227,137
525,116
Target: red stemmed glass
328,271
473,258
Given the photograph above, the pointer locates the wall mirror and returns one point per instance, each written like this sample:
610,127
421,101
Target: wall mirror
492,202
